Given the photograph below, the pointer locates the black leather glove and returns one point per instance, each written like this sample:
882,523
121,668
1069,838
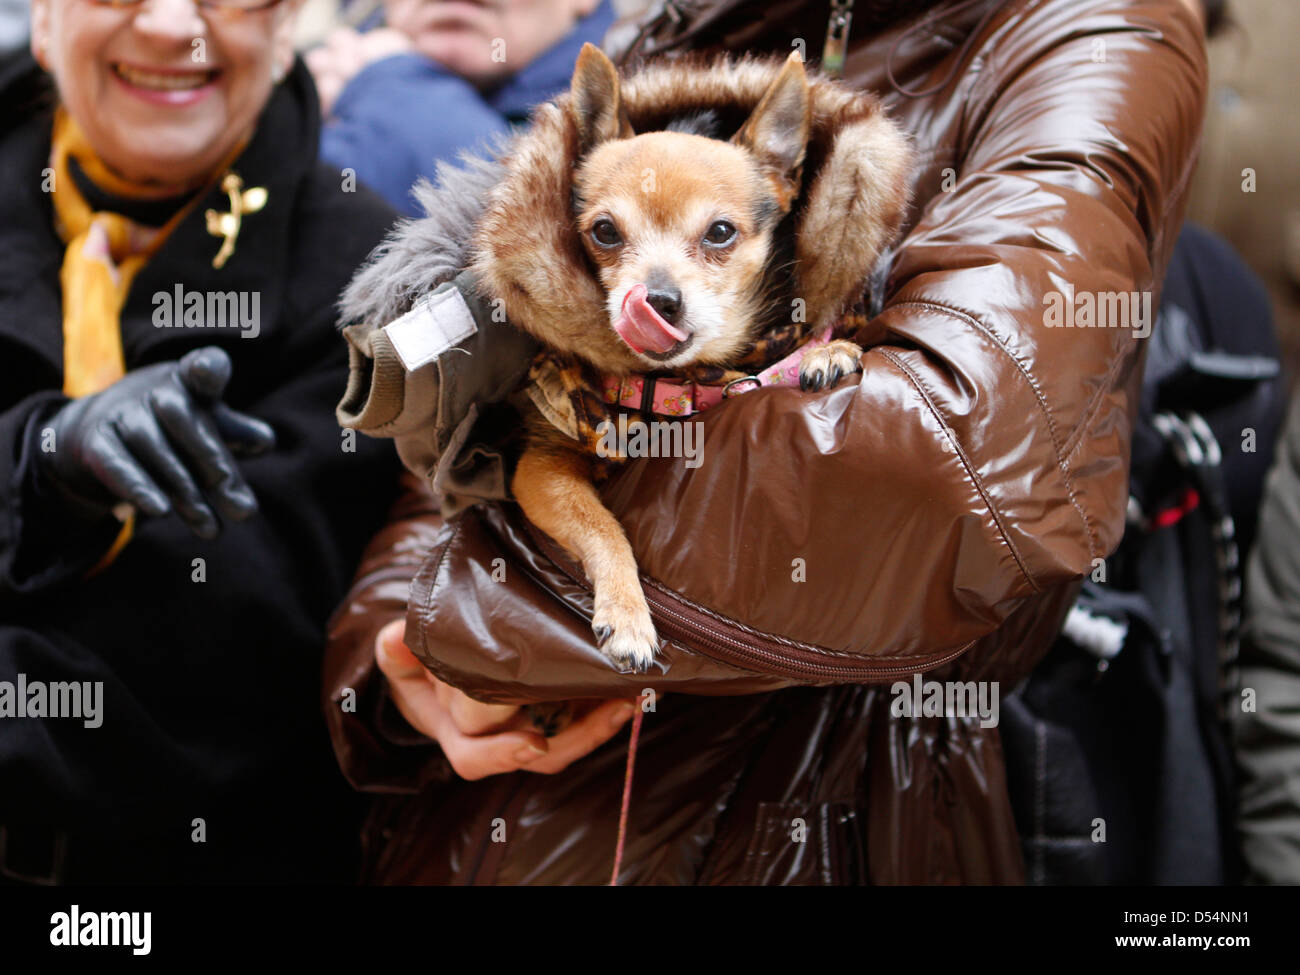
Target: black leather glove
160,439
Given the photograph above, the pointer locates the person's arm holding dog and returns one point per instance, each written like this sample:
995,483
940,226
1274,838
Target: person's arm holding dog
480,739
385,710
980,449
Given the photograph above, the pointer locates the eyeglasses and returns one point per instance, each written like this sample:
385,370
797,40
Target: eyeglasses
221,6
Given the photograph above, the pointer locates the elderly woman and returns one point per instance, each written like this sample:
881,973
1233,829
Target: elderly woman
178,511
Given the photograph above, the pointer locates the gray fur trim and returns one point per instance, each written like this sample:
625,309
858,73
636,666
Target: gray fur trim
878,283
420,254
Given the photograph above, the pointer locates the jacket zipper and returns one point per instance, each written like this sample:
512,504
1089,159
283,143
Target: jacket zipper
739,646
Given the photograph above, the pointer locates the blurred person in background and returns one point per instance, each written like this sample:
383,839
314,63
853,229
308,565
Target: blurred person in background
1268,732
435,78
178,512
13,25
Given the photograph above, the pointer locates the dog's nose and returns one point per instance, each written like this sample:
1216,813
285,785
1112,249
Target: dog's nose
667,302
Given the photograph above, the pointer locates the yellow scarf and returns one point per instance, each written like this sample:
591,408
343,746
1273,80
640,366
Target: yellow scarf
104,252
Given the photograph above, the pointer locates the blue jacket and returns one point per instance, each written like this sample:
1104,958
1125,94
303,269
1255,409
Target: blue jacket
401,115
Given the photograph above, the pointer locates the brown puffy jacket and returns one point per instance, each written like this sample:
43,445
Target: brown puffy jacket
944,506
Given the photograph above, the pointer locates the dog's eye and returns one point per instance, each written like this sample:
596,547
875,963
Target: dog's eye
720,234
605,234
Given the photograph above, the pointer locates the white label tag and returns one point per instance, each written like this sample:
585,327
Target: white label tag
435,324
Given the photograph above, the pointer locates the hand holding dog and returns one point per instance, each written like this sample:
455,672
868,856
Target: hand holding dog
486,739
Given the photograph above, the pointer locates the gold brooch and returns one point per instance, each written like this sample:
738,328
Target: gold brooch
226,225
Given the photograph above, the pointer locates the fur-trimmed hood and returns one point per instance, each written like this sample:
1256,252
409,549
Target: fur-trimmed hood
849,207
854,174
526,251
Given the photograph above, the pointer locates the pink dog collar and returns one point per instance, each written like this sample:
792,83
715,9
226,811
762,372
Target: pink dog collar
668,398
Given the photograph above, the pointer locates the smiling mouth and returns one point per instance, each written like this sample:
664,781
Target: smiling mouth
154,80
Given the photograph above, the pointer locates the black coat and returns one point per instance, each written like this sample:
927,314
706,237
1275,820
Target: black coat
209,688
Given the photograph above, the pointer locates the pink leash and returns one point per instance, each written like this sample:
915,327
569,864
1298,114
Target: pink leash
627,794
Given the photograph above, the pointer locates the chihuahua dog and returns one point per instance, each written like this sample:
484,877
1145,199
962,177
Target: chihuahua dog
689,271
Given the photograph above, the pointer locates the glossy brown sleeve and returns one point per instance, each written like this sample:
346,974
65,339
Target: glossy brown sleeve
977,467
377,750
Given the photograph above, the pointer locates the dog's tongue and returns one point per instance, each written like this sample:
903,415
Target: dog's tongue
641,327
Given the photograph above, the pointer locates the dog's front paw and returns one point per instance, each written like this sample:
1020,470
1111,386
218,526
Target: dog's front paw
624,631
825,365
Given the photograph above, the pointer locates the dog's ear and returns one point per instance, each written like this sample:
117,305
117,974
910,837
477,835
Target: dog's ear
777,131
595,105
